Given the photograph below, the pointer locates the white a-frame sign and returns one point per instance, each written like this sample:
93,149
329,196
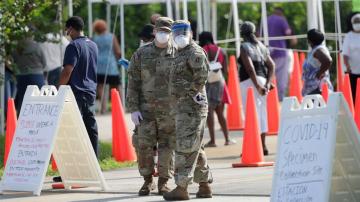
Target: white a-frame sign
50,122
318,152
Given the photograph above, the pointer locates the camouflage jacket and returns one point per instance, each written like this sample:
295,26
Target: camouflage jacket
188,77
148,78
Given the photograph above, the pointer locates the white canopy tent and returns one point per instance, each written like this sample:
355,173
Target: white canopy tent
207,16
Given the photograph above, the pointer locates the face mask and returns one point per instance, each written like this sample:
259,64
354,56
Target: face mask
68,37
356,27
182,41
162,37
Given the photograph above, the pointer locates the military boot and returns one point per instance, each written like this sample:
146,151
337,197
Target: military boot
204,190
177,194
148,186
162,185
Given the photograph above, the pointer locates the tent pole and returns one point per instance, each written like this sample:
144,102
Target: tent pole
236,27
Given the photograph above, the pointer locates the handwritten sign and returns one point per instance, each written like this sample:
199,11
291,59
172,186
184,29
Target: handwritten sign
32,143
306,146
50,122
303,159
318,152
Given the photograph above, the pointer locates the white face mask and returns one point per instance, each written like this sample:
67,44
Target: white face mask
356,27
67,35
182,41
162,37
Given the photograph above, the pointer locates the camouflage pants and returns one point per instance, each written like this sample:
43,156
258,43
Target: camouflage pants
152,131
190,158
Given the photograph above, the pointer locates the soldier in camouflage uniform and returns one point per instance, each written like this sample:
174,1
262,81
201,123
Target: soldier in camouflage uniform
187,88
148,101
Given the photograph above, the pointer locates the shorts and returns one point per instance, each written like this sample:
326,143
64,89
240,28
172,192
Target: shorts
113,80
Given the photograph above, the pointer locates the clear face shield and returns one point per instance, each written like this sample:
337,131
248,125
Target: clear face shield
181,34
181,29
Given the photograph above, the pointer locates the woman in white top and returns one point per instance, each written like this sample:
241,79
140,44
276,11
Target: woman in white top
317,64
351,51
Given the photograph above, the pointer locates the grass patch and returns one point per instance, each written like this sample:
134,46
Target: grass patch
106,161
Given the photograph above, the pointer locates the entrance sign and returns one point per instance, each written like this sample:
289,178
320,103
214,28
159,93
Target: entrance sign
318,152
50,122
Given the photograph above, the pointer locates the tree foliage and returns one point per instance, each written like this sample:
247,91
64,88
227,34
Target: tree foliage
24,18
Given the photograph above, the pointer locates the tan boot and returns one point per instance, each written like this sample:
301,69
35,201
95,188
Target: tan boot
162,185
204,190
148,186
177,194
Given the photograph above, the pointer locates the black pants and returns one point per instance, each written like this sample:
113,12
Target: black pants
86,104
353,79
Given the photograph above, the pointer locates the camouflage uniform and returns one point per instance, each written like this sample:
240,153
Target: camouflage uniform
187,78
148,93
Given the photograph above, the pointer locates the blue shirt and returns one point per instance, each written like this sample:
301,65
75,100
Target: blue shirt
82,54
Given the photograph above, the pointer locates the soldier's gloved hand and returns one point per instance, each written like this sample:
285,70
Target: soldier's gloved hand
124,62
200,99
136,117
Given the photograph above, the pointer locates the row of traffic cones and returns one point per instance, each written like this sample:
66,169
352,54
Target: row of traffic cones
252,150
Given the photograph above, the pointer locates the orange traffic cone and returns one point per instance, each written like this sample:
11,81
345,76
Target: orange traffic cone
234,110
340,75
346,88
273,112
122,147
301,61
357,104
11,121
295,82
325,91
252,152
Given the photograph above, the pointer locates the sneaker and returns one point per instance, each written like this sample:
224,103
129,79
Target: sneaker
230,142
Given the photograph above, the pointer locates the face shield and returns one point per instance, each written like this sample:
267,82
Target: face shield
181,34
181,29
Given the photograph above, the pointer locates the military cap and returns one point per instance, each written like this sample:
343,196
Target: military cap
164,23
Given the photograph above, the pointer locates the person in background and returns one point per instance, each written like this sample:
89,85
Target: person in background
193,25
79,72
107,68
317,64
215,90
154,17
54,49
256,71
351,51
146,35
10,81
30,62
278,26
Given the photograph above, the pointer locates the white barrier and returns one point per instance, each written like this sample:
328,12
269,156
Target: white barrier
50,122
318,152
